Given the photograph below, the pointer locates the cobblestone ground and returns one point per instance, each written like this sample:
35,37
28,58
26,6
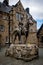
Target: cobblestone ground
11,61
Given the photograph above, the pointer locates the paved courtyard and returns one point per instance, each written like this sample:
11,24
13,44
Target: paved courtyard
11,61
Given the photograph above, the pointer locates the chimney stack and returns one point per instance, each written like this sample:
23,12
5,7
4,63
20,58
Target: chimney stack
6,2
27,10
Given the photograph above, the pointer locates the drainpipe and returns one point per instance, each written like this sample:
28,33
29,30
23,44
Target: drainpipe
9,28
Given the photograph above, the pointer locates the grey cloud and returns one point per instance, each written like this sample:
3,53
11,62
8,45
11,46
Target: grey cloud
37,1
1,0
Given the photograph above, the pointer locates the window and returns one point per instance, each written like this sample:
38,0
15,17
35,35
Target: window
10,28
0,16
19,16
7,39
31,30
1,28
10,17
5,17
42,39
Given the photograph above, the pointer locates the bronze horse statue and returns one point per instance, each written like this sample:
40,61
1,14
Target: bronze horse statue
21,30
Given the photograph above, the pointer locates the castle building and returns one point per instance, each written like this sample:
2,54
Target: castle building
40,36
16,17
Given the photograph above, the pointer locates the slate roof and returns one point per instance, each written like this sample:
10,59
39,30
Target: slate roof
7,9
4,8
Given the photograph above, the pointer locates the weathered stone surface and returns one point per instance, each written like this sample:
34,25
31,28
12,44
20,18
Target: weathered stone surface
20,51
12,61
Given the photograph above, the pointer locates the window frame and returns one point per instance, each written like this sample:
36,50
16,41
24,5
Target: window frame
2,28
19,16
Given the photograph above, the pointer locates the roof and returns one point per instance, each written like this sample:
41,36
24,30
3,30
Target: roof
40,29
4,8
18,3
7,9
34,20
31,18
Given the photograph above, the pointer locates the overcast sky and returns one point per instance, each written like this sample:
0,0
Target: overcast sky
36,9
